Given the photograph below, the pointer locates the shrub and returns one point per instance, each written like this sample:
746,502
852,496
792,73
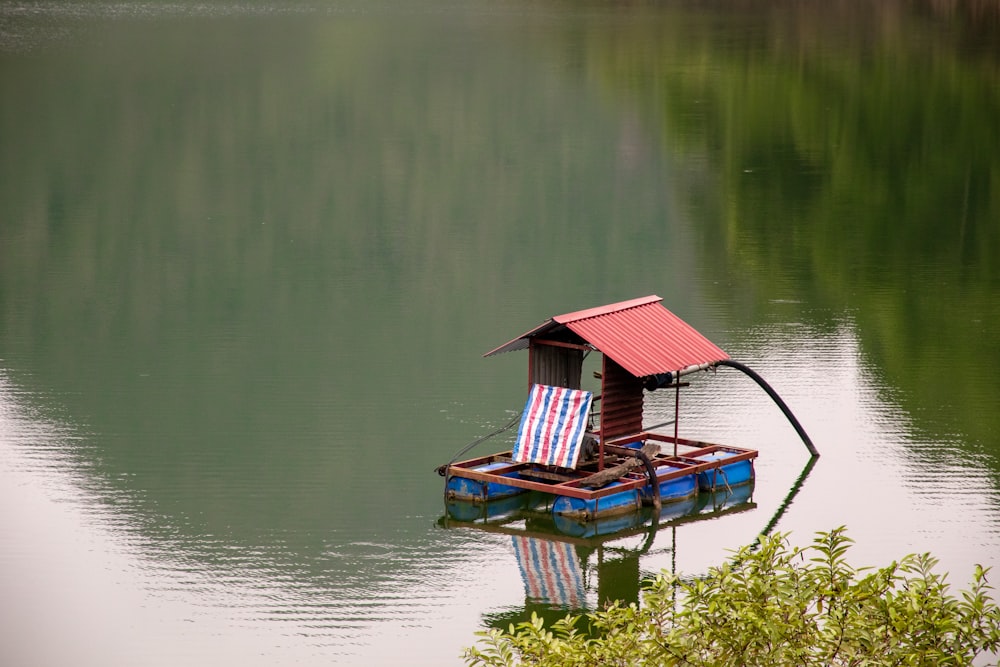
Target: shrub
771,604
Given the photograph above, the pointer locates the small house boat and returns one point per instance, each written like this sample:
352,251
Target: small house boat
589,456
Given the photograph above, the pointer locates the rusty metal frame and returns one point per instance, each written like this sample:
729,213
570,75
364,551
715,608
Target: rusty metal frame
570,486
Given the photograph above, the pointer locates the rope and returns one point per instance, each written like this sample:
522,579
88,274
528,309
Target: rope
725,480
507,427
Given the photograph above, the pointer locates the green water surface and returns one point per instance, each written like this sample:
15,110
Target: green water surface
251,254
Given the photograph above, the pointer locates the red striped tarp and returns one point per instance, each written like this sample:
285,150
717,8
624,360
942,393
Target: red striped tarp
552,426
550,571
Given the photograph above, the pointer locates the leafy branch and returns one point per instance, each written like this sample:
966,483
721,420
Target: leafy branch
772,604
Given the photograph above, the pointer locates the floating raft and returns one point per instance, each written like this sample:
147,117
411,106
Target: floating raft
593,463
702,468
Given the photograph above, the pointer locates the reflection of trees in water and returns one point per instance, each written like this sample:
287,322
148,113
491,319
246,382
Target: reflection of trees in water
253,240
849,162
230,192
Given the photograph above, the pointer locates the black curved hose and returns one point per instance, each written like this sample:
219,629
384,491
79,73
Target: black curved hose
653,479
774,396
799,481
647,463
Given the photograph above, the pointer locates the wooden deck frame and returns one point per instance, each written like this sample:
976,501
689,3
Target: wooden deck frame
567,482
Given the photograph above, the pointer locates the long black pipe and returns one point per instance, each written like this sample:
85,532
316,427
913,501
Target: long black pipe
774,396
799,481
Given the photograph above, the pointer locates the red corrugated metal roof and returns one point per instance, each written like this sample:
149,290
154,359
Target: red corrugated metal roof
640,335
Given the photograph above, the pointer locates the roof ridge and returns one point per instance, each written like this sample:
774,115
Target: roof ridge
607,309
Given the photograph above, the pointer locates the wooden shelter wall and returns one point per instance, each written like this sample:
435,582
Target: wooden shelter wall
621,402
556,366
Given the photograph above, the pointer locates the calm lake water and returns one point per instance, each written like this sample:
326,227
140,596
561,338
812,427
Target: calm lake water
251,254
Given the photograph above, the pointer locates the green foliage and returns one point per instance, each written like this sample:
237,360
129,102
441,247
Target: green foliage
771,604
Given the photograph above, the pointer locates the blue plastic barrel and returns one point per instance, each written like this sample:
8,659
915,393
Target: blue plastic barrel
616,503
461,488
672,490
733,474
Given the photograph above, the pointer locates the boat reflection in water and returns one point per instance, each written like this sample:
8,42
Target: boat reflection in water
565,564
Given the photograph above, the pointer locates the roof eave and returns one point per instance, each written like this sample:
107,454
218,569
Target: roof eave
521,342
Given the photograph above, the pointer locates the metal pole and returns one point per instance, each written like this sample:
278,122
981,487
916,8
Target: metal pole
677,409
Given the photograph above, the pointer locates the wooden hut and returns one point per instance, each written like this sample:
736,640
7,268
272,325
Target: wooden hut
613,464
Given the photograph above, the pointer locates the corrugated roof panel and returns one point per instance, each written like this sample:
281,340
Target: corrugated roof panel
643,337
640,335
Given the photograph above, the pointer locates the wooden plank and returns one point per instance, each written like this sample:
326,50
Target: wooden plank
611,474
